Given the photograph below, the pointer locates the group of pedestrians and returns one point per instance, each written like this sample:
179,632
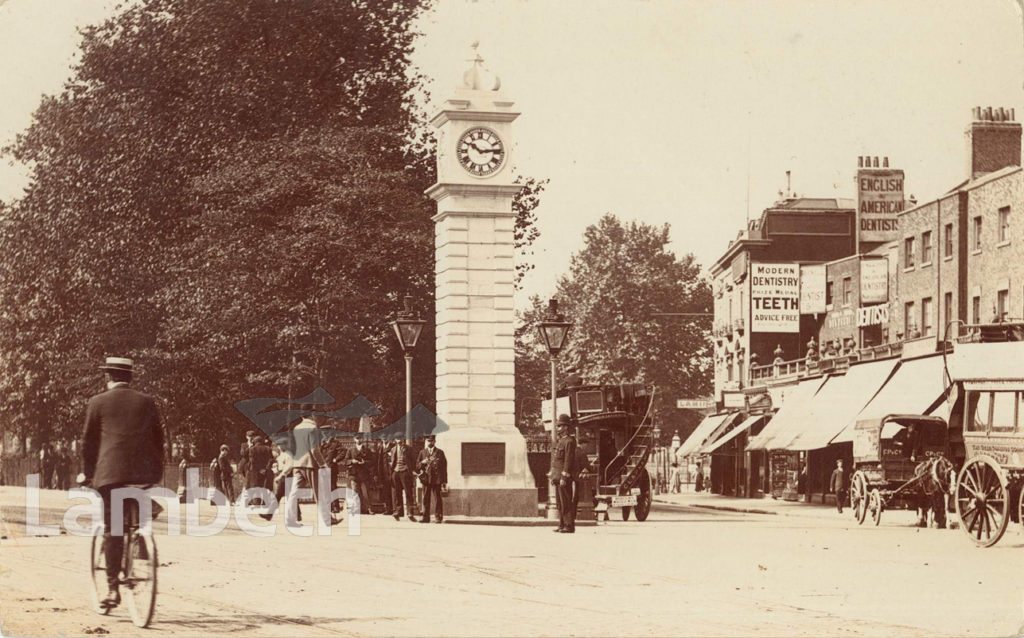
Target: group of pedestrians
377,471
55,467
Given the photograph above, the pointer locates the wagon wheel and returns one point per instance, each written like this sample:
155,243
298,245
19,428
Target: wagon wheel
1020,507
875,505
859,496
643,500
982,501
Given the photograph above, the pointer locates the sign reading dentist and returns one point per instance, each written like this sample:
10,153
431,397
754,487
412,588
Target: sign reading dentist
775,297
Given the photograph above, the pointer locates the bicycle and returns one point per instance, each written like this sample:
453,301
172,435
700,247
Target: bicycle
137,574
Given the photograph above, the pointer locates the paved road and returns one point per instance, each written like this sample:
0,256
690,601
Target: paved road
685,571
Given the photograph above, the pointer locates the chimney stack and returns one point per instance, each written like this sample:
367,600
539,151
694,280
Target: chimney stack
993,141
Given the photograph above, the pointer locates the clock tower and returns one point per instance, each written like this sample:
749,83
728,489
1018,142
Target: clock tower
488,474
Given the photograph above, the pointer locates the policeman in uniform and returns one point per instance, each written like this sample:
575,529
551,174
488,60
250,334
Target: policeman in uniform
563,471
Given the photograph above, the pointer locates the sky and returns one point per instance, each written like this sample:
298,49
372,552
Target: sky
670,111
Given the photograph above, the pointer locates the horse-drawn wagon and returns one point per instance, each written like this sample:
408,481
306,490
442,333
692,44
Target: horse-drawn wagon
988,397
900,461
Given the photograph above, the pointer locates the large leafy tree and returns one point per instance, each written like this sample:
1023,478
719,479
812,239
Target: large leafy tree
230,191
615,292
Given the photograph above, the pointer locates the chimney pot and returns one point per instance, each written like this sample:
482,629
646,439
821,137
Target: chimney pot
885,162
876,161
860,162
991,148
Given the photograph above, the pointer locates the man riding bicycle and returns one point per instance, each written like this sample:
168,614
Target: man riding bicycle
123,444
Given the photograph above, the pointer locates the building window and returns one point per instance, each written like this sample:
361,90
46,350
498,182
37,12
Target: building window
947,313
1002,304
926,247
909,324
847,291
1004,224
976,234
975,310
948,241
828,293
927,318
908,252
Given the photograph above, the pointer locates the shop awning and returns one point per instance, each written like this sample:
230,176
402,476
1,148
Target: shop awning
838,402
988,366
916,387
792,410
699,436
748,423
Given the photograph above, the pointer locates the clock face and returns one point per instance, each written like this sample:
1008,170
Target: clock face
480,151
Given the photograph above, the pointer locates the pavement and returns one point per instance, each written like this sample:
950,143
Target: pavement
687,570
768,505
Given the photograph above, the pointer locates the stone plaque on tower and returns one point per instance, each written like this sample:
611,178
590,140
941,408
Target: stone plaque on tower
475,273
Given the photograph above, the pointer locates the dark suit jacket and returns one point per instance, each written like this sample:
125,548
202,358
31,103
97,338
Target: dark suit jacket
838,481
359,463
563,458
410,458
433,465
123,442
258,465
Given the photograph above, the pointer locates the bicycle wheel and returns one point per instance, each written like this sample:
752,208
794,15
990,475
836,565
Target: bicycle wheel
140,579
98,575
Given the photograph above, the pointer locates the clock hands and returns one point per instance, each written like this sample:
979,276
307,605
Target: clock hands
481,150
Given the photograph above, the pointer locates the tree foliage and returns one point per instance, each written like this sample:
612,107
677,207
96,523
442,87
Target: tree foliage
230,192
616,285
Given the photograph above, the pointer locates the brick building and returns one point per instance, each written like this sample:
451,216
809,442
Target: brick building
796,229
958,260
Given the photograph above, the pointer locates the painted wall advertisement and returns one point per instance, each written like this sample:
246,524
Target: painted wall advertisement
879,200
775,297
812,289
874,281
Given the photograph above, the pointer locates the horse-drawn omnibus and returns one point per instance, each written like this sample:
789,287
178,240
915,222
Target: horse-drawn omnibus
615,426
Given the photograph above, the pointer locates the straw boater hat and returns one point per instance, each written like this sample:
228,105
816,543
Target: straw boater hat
117,363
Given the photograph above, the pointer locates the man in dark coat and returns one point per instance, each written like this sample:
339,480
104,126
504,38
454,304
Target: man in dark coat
837,484
46,465
123,444
400,465
383,476
258,467
432,467
223,474
563,468
359,462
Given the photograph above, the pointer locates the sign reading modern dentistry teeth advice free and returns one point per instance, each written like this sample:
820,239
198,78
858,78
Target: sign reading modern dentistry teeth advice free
775,297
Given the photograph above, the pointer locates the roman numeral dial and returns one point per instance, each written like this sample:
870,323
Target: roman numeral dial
480,151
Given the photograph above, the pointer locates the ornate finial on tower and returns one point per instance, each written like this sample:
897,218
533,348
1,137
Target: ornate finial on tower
477,77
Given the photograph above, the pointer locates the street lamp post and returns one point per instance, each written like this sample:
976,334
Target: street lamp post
554,331
408,327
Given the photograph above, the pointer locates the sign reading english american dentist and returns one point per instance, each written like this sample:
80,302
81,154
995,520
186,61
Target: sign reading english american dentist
775,297
879,201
